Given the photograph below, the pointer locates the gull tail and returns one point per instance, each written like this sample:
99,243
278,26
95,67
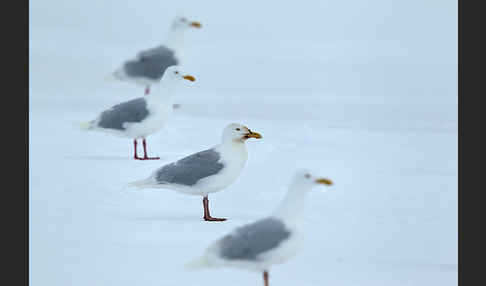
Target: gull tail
88,125
112,77
198,263
141,183
117,75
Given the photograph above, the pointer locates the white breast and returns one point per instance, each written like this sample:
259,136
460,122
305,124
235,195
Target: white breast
233,157
160,112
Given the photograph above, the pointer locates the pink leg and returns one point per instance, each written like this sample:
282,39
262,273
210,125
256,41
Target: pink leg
147,90
145,156
207,215
135,156
265,278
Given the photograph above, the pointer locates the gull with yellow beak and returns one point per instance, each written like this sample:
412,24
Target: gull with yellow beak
208,171
148,66
268,241
142,116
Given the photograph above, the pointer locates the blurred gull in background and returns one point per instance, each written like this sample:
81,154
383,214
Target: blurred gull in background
268,241
149,65
142,116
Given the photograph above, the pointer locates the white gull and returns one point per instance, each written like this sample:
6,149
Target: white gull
208,171
268,241
148,66
141,117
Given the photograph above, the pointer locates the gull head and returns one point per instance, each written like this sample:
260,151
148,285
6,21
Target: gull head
302,182
238,133
305,178
182,23
176,73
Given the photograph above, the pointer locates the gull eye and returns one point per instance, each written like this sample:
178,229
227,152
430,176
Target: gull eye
176,72
238,129
307,176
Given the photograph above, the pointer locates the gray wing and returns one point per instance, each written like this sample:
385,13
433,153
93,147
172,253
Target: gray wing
151,63
250,241
189,170
131,111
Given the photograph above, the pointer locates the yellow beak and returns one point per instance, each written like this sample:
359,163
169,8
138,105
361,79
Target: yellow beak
189,77
253,135
195,24
324,181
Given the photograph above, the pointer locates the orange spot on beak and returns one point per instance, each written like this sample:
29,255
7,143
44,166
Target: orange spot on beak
253,135
195,24
324,181
189,77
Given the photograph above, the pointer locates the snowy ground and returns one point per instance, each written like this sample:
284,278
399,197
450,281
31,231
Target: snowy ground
362,93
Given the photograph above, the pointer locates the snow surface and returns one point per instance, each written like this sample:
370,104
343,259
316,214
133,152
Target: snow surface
362,92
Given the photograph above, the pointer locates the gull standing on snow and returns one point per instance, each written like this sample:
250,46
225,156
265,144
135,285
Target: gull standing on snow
207,171
149,65
142,116
268,241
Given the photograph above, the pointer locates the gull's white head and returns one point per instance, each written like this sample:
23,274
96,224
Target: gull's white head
175,74
306,180
238,133
182,23
293,204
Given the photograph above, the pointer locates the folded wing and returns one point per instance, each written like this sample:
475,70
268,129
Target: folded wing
250,241
127,112
189,170
151,63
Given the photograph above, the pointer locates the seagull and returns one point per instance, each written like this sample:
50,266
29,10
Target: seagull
208,171
142,116
272,240
148,66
